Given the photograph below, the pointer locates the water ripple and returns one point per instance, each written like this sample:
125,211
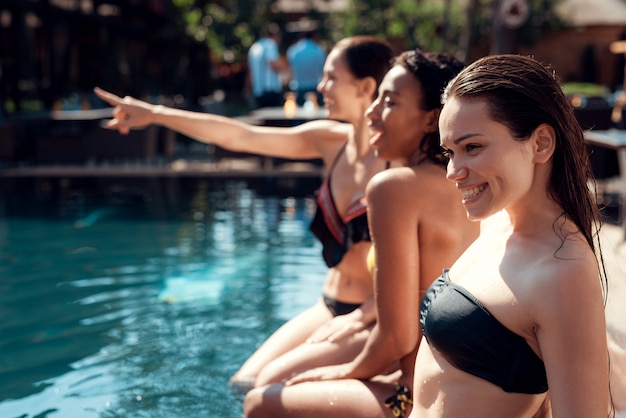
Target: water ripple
133,315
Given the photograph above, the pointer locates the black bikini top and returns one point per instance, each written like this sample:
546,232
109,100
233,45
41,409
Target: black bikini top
465,333
338,234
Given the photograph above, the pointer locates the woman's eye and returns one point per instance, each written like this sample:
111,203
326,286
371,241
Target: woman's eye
446,153
471,147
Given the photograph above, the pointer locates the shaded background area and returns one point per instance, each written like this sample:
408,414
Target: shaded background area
191,54
53,52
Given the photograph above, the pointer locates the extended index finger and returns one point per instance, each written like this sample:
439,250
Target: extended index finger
110,98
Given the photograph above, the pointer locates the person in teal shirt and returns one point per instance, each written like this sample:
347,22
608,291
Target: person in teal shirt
306,60
264,66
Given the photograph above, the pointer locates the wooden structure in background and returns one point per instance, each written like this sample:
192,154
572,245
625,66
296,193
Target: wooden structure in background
52,51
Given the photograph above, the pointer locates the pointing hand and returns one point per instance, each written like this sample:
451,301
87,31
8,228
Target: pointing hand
128,113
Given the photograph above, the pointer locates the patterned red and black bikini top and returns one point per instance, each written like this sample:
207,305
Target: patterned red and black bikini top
338,234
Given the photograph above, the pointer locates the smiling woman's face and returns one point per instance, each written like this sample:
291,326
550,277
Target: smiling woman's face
397,122
339,87
492,170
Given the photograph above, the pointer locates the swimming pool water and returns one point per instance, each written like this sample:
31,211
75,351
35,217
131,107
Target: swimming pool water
141,297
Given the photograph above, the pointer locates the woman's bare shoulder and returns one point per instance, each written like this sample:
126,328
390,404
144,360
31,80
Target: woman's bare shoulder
390,181
409,184
423,174
569,274
325,136
326,128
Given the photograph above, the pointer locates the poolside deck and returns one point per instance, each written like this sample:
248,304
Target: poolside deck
226,167
614,251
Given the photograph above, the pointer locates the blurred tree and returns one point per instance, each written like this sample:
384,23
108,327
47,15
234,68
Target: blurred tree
52,48
439,25
429,24
507,32
228,27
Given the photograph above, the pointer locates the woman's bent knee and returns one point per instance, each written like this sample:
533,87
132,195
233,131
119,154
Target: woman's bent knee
258,401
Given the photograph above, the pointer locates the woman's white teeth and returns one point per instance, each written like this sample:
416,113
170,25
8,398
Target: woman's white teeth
469,193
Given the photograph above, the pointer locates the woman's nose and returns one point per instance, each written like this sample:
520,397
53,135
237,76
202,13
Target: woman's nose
455,170
372,111
321,85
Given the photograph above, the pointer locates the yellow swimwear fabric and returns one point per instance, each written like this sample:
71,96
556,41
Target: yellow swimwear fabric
371,260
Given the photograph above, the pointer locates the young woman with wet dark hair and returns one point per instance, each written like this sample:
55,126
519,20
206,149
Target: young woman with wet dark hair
521,313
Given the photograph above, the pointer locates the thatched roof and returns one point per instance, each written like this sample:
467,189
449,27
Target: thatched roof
303,6
593,12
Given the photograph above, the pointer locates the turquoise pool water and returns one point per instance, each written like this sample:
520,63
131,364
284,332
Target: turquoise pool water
140,297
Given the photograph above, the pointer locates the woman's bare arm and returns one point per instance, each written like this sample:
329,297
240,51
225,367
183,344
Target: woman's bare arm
315,139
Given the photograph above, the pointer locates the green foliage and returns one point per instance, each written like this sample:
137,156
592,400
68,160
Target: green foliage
229,27
585,89
424,23
410,23
542,18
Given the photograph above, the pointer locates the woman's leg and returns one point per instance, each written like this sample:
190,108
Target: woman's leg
334,398
286,338
310,355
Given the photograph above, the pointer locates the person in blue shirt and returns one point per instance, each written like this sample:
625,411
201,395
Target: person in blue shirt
265,65
306,60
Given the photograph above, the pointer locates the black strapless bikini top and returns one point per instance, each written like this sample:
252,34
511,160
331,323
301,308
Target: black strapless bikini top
465,333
